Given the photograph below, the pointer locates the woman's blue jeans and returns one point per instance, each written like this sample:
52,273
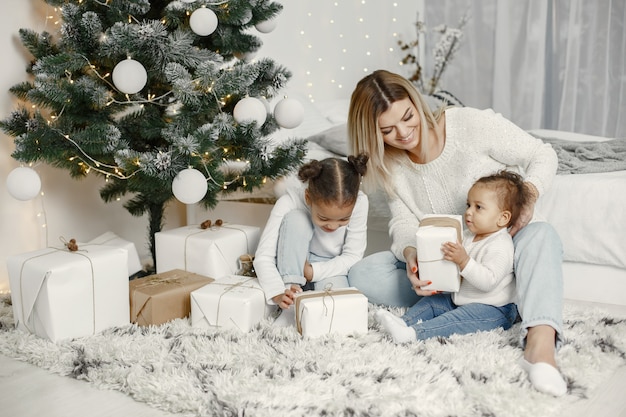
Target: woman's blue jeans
294,237
538,274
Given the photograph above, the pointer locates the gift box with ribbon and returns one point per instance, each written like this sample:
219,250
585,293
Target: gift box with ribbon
61,293
111,239
341,311
231,302
212,251
159,298
433,232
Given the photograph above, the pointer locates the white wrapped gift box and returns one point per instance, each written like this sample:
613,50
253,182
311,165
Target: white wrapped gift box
213,252
231,302
320,312
58,294
111,239
433,232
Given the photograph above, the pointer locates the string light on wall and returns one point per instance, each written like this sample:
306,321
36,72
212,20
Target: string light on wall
356,39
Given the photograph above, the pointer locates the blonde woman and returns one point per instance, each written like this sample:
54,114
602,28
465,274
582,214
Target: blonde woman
426,162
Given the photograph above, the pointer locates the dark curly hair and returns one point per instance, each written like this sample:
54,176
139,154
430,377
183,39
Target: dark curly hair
334,180
510,190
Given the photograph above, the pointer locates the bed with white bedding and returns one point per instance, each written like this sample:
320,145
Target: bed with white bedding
588,210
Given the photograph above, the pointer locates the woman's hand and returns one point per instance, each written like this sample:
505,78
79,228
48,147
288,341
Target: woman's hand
410,255
286,299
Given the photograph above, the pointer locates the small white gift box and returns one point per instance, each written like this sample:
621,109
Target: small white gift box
231,302
58,294
213,252
433,232
111,239
320,312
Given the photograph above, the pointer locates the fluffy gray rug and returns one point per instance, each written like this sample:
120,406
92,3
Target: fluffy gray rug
272,371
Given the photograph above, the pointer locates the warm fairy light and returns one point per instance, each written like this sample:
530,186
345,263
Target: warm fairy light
357,39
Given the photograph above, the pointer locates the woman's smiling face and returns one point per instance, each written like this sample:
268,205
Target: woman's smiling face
400,125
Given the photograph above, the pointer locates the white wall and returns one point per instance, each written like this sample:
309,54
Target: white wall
328,45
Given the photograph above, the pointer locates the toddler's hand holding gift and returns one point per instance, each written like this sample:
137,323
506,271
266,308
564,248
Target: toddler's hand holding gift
286,299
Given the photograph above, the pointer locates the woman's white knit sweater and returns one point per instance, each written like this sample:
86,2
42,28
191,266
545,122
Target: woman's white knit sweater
478,143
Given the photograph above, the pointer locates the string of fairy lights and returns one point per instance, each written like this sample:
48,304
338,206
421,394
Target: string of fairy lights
336,43
88,163
26,185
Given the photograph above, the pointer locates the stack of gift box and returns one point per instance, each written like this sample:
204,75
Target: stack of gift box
81,289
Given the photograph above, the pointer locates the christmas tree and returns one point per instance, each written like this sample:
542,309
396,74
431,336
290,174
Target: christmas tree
151,95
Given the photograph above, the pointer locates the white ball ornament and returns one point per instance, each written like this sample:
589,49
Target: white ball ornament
266,26
189,186
203,21
250,109
129,76
23,183
188,1
289,113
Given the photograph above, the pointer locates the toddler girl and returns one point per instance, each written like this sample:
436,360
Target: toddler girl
316,231
485,300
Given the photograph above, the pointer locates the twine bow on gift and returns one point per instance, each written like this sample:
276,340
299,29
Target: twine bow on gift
327,292
207,224
219,223
72,246
230,287
157,280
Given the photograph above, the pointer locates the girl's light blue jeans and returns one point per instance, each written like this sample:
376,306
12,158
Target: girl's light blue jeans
538,273
437,315
294,237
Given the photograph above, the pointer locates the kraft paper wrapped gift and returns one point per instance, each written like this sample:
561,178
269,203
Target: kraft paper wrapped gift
58,294
320,312
232,302
213,252
431,234
159,298
111,239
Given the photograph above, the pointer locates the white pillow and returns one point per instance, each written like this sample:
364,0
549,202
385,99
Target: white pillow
335,139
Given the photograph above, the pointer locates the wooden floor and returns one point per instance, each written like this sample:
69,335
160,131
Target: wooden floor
28,391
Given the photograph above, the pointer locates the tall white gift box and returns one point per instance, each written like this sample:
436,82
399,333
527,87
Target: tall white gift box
231,302
213,252
111,239
58,294
434,231
320,312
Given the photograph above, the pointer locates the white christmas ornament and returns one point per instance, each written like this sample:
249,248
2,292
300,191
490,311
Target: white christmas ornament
188,1
289,113
129,76
189,186
266,26
250,109
203,21
23,183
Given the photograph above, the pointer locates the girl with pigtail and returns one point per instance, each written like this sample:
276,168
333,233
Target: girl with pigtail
316,230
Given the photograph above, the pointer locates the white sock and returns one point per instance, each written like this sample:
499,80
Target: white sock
544,377
397,328
385,313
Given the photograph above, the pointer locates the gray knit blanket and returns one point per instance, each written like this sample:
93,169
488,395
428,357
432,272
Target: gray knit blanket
588,157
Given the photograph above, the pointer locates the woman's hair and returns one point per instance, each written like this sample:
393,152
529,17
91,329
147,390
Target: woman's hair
372,96
511,192
334,180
